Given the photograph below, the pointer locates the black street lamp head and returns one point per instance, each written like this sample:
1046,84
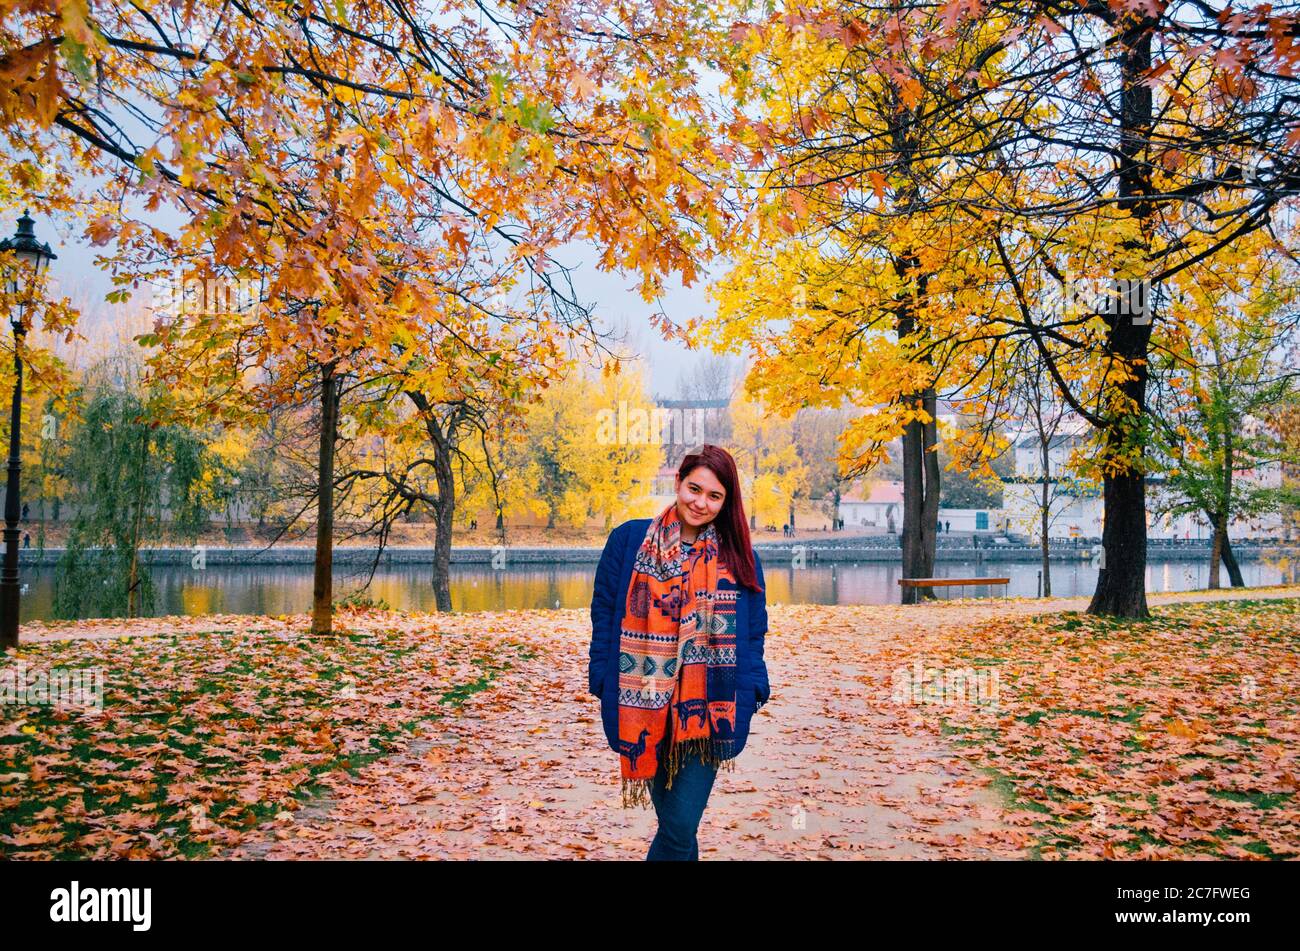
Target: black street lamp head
25,245
27,250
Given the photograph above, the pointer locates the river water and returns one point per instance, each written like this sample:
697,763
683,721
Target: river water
287,589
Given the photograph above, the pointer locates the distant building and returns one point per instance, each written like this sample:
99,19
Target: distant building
1076,510
978,521
877,505
1074,507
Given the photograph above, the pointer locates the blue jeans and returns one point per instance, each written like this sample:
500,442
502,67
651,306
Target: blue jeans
679,810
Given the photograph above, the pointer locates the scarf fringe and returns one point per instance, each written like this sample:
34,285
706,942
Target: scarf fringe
636,792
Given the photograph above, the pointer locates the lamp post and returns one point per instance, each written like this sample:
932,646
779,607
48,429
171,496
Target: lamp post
36,256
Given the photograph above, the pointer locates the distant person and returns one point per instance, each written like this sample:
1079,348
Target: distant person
674,725
947,528
24,511
27,539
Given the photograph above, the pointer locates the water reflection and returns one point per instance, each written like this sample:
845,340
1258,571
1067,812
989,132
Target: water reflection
287,590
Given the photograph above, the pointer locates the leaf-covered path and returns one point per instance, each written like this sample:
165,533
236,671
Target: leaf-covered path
524,771
835,766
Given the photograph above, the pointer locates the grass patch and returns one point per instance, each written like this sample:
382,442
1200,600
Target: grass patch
202,736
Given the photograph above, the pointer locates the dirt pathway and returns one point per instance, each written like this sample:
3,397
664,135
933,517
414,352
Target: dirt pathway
515,776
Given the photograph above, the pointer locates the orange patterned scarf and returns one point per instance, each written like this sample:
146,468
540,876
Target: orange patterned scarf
677,658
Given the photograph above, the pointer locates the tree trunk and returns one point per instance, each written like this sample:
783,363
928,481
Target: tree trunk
1046,548
443,513
930,498
920,503
1230,562
1216,548
920,468
1225,508
444,506
322,604
1121,583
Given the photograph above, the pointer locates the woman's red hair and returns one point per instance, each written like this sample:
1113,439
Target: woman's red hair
733,533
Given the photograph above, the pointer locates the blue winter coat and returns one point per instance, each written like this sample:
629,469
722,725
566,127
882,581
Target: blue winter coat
608,603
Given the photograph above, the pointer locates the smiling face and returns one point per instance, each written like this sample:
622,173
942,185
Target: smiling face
699,499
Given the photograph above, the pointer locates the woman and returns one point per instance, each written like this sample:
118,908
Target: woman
678,618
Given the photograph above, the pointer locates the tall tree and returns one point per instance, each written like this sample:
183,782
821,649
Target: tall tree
1224,387
855,267
466,151
1076,139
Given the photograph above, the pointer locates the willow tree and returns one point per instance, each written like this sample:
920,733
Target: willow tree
131,480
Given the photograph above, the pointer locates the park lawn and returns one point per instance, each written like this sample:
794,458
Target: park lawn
1175,737
203,736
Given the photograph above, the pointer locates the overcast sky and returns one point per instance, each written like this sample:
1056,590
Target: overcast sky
617,305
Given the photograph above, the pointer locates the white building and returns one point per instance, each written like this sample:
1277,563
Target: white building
978,521
879,505
1076,510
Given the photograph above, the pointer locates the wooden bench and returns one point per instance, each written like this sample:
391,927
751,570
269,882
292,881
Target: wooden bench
952,582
